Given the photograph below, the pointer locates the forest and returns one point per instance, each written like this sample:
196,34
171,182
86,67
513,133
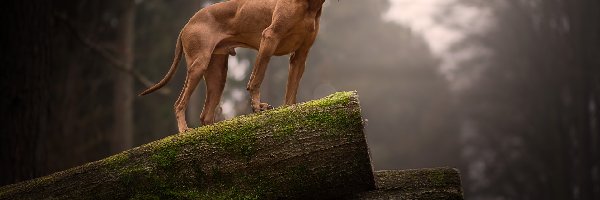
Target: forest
507,91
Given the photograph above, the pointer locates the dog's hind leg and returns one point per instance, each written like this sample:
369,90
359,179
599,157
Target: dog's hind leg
215,78
194,74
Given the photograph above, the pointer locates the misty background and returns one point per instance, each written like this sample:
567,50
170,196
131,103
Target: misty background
506,91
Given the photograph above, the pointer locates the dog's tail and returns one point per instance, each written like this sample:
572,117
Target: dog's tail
165,80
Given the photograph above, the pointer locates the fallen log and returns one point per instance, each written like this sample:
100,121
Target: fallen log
435,183
314,150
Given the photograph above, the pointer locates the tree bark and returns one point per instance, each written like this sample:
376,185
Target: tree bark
24,80
315,150
435,183
122,137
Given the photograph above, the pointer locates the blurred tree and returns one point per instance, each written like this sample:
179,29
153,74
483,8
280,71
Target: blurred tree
57,113
123,86
534,109
25,100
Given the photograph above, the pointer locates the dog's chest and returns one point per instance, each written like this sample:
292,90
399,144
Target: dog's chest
296,37
310,24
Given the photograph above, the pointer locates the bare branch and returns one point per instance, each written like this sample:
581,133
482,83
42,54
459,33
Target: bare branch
115,63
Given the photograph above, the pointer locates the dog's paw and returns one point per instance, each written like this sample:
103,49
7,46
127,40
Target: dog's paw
183,130
262,107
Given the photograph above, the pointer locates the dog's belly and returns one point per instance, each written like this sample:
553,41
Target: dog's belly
287,45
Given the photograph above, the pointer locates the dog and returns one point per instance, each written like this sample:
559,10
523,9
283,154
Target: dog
272,27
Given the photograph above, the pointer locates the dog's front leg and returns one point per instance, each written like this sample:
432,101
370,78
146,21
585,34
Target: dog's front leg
284,18
268,45
297,64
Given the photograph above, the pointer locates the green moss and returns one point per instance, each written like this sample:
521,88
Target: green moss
437,177
144,183
238,135
165,178
116,159
238,185
285,130
338,98
165,158
238,139
295,180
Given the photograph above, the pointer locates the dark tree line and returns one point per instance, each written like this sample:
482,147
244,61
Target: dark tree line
72,72
23,86
56,86
535,109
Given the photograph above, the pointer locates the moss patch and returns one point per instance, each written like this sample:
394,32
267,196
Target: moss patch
238,139
238,135
116,160
165,158
437,178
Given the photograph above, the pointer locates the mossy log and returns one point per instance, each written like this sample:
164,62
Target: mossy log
435,183
313,150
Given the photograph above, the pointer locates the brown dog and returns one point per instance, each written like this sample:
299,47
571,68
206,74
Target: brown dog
273,27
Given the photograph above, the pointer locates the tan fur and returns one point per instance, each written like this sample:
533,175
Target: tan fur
273,27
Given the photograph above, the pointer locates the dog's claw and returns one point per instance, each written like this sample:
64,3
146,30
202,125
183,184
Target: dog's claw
184,130
262,107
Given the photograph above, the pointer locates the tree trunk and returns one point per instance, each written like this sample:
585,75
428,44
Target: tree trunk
307,151
24,80
122,137
436,183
